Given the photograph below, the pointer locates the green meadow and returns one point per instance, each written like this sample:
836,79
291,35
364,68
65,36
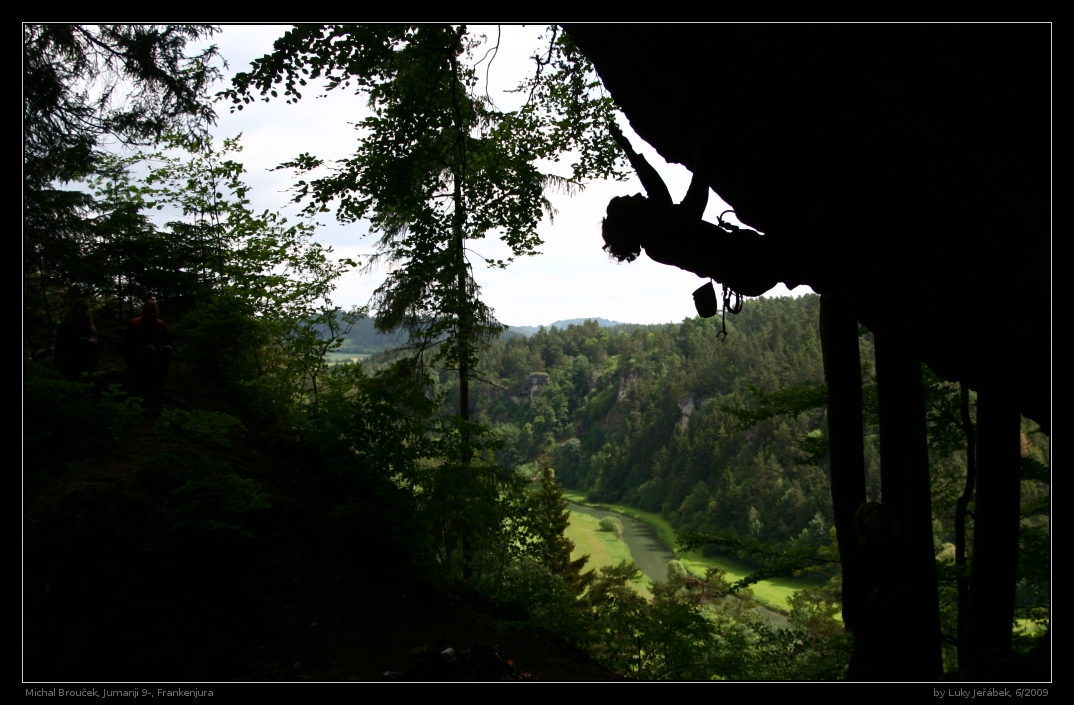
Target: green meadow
336,358
771,593
602,547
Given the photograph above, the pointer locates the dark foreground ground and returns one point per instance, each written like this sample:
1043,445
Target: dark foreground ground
108,597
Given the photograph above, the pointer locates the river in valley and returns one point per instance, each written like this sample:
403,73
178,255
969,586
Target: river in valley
651,554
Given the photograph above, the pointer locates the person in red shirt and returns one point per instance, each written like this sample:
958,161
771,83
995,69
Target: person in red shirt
147,345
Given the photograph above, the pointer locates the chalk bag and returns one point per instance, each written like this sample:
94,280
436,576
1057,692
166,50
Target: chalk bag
705,301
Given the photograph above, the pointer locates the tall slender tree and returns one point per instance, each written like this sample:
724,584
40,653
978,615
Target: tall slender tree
437,167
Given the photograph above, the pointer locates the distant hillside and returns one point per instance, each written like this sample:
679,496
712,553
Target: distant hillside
602,322
513,331
364,338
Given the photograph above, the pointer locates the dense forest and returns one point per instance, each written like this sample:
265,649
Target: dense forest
672,419
727,435
644,418
269,463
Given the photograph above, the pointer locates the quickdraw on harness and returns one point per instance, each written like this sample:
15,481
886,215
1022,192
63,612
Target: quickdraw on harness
727,293
728,306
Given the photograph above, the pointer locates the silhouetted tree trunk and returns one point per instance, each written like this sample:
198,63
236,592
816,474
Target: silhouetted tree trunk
842,372
906,490
464,363
462,304
961,508
996,521
462,311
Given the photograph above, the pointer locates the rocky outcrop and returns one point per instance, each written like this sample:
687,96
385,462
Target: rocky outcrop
530,389
868,161
688,405
625,383
872,158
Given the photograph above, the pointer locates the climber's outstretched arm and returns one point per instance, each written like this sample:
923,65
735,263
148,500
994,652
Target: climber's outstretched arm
654,186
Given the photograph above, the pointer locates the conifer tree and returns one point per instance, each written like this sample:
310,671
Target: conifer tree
81,85
437,167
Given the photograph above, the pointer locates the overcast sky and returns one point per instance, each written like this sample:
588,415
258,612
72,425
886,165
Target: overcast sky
572,278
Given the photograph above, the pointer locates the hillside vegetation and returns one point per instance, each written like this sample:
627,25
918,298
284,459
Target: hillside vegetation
228,475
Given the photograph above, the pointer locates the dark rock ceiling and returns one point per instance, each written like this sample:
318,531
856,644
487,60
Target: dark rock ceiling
905,167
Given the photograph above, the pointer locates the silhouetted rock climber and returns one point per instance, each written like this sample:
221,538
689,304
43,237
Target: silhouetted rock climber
147,346
76,341
878,598
744,260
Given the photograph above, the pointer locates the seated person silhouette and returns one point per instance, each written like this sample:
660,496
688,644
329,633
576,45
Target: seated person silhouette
147,346
76,341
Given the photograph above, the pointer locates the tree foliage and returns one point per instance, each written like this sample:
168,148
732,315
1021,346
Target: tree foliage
728,442
437,165
84,85
727,439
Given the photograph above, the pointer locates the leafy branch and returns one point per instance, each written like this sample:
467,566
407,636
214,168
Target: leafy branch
784,563
790,402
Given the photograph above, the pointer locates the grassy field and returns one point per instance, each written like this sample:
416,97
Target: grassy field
602,547
335,358
1028,626
771,593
